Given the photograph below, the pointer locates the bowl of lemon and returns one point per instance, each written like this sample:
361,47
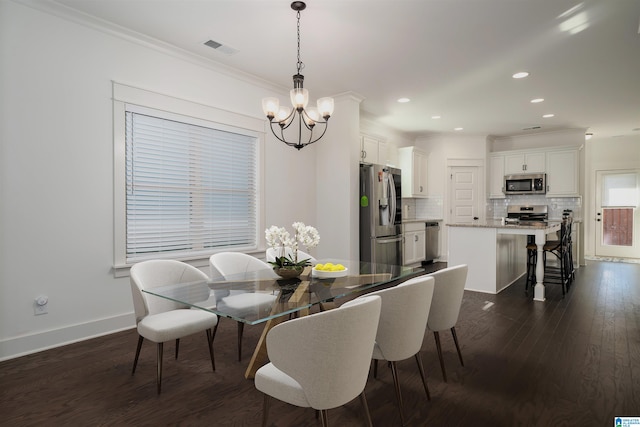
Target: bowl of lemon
329,271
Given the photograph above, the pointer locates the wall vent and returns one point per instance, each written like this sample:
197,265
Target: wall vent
220,47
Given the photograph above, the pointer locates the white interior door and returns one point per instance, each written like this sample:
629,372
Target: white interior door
464,190
617,213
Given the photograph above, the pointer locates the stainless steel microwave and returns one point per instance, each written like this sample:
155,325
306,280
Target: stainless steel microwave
525,184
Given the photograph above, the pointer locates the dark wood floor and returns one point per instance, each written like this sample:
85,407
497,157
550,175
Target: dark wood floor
565,362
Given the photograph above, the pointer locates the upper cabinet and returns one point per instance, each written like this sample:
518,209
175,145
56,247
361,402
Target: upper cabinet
561,166
562,173
496,176
369,149
375,151
414,164
524,162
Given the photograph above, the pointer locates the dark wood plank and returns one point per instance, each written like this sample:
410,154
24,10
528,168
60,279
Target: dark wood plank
567,361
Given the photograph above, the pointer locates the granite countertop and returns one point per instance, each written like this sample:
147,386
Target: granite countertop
498,223
406,221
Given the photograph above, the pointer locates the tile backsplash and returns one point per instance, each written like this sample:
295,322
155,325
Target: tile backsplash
433,207
430,208
497,208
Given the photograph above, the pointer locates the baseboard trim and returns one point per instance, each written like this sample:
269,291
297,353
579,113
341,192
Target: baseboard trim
33,343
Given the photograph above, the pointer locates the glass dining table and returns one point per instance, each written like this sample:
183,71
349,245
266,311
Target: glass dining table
262,297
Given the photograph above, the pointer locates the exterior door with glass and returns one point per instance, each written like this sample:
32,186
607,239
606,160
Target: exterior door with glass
618,213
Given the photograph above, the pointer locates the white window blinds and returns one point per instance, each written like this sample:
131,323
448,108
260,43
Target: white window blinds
190,189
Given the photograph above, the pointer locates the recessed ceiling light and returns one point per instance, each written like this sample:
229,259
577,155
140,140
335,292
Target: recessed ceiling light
535,101
520,75
435,117
546,116
403,100
458,128
588,136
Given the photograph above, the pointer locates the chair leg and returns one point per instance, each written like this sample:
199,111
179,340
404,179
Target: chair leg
422,375
365,406
210,337
532,258
396,385
135,360
324,418
436,335
240,333
159,367
455,340
265,410
177,347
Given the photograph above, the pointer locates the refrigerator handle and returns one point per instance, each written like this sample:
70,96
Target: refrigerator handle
392,240
392,196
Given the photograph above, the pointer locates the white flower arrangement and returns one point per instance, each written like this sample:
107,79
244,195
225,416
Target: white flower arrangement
280,240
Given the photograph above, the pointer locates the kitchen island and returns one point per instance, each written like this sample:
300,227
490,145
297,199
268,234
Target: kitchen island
495,253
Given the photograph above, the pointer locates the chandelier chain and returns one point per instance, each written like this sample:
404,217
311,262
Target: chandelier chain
299,64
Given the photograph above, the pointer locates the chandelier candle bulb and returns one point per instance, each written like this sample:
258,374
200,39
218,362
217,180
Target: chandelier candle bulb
312,116
299,98
283,114
270,106
325,106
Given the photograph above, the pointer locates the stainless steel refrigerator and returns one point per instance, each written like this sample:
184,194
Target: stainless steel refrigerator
380,214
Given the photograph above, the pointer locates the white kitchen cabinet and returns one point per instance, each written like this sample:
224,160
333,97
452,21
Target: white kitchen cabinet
414,164
414,250
369,150
524,162
496,176
562,173
374,151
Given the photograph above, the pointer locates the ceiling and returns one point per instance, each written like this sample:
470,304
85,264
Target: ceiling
452,58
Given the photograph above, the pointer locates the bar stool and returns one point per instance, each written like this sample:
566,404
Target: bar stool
571,271
532,256
562,274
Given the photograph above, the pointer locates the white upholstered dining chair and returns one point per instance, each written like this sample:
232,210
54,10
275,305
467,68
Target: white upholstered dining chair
321,360
445,307
228,264
160,320
403,323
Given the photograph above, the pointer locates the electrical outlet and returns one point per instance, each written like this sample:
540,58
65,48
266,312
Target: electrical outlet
40,305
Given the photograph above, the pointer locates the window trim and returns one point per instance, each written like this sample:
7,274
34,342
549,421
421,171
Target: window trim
171,106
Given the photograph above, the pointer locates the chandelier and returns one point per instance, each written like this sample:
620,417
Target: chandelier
281,118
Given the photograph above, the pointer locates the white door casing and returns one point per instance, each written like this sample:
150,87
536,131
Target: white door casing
608,206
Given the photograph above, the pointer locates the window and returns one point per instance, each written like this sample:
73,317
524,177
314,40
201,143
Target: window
189,186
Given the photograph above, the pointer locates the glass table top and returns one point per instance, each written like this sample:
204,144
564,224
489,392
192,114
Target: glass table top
258,296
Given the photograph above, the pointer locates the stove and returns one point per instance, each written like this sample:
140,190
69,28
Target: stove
527,214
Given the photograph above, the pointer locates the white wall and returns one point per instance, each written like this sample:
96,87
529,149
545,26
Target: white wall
56,166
